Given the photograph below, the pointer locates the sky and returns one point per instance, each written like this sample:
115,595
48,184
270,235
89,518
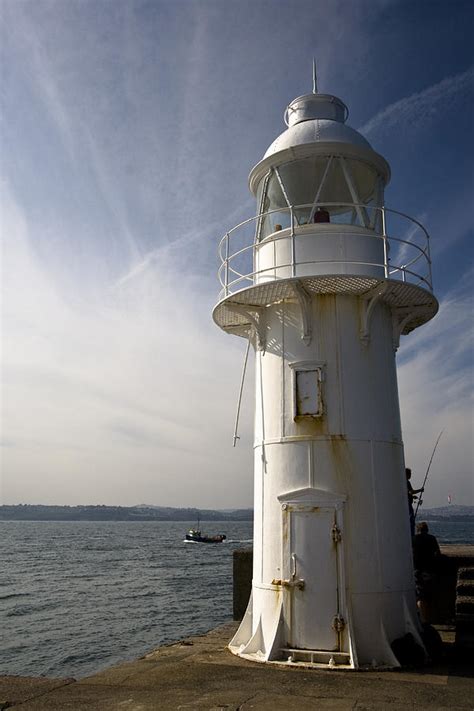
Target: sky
127,134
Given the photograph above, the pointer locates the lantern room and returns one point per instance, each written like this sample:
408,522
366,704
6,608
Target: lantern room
319,171
321,222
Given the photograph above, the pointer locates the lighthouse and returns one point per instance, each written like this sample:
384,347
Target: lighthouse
322,282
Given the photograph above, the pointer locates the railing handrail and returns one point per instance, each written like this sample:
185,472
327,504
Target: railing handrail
250,276
226,263
288,208
226,269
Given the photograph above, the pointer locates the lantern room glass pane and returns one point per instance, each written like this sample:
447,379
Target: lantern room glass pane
350,190
274,203
365,179
301,180
335,188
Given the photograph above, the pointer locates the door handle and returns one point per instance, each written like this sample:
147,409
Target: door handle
293,566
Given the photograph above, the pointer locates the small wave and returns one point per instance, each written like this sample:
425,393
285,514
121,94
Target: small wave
137,596
21,610
82,576
18,612
71,659
10,596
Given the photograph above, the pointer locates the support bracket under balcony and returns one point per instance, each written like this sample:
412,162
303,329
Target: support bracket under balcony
305,304
256,319
400,318
368,302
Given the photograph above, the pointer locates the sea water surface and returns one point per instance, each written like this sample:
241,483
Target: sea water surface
76,597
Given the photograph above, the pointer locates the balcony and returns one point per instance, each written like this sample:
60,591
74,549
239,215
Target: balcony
360,248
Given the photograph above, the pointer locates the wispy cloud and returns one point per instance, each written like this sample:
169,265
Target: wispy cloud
131,130
436,393
107,184
135,382
28,44
422,108
185,243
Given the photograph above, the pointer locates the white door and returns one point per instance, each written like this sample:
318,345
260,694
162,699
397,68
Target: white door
313,559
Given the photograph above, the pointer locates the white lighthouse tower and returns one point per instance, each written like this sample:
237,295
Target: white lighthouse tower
323,281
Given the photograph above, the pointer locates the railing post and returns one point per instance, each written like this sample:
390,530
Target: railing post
254,262
293,250
428,256
385,243
226,280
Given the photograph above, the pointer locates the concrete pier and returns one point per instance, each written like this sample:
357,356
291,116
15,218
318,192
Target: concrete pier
199,673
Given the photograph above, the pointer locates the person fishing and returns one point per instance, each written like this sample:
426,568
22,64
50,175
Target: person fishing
412,496
412,493
426,560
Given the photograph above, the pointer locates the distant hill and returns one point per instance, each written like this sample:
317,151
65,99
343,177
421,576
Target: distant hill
41,512
147,512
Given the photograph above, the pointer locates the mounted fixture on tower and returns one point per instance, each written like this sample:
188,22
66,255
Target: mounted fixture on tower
323,281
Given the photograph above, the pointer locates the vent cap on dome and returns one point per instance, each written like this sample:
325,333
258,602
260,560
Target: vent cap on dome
316,106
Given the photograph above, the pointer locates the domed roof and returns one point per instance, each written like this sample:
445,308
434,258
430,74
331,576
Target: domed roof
314,131
314,118
317,126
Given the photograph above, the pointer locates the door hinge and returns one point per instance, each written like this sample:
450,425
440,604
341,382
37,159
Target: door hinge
338,623
293,583
336,533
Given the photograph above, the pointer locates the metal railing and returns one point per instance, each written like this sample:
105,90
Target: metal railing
404,258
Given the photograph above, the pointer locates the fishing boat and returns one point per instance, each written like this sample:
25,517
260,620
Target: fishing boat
194,535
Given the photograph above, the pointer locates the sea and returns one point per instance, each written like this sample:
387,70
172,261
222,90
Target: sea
79,596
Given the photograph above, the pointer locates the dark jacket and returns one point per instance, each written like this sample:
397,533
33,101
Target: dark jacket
426,552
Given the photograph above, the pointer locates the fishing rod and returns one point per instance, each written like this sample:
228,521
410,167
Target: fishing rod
420,499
